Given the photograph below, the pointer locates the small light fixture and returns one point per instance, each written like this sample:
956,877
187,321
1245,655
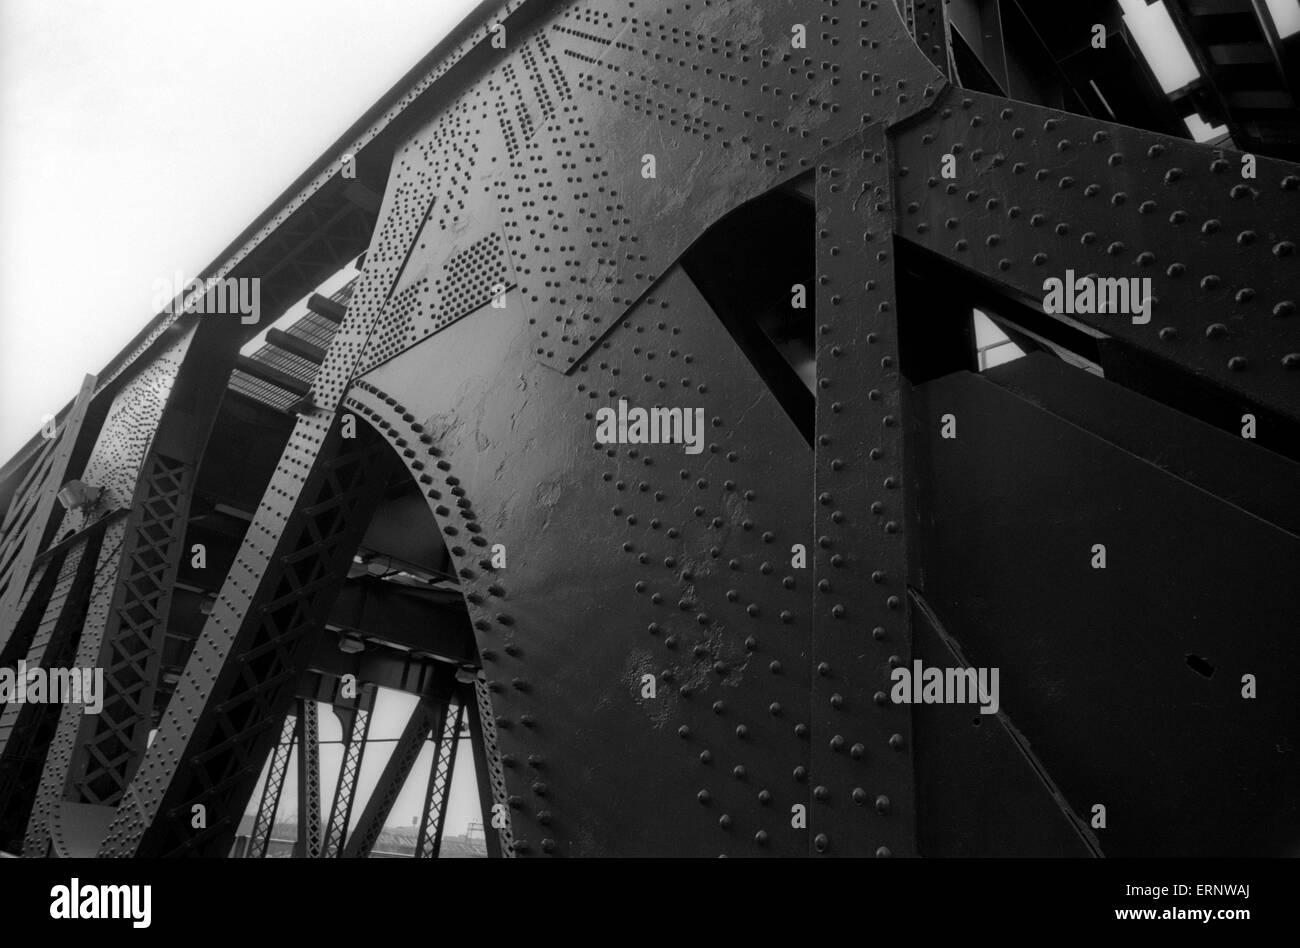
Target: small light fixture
351,644
466,674
75,495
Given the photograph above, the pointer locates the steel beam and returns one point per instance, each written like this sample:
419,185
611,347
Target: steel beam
861,768
1039,192
144,460
308,843
345,791
426,718
255,644
433,815
27,521
264,821
26,728
488,772
734,611
295,346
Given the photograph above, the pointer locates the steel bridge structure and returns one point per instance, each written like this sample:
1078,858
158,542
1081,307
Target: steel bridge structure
793,219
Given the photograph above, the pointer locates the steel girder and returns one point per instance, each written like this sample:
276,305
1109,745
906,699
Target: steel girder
26,729
433,816
353,752
242,674
427,717
308,843
592,97
144,457
105,749
661,674
1122,686
264,820
1040,191
862,768
27,520
489,770
114,466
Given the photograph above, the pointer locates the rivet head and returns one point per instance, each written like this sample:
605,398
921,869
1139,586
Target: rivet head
822,842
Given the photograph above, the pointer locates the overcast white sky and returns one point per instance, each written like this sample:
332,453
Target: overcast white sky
139,137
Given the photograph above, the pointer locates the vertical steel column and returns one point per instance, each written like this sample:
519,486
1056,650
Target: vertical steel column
861,755
1041,193
345,792
264,822
309,842
429,839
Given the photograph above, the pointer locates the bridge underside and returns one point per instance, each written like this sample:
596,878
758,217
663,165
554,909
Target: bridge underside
832,248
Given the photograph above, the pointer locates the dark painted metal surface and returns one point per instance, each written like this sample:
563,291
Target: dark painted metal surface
27,520
433,815
356,730
861,744
1039,192
1127,681
241,676
272,789
308,844
427,716
657,669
